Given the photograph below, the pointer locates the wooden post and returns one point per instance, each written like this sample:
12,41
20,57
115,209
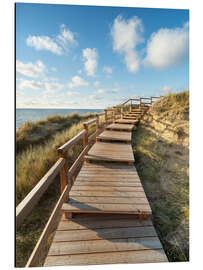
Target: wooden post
85,138
114,117
121,112
151,101
63,171
97,123
105,116
140,102
131,105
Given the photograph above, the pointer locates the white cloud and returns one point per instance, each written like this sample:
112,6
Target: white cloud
56,45
96,83
126,36
167,47
31,70
107,91
107,70
39,85
66,37
77,82
44,43
90,57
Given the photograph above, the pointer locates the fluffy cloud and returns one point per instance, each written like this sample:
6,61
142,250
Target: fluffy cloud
55,45
39,85
44,43
66,37
167,47
31,70
90,57
107,70
126,36
107,91
77,82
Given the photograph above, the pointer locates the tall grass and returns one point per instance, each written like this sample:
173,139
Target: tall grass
33,133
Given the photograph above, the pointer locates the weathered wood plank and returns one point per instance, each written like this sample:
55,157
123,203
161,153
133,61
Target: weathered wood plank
80,207
98,221
107,233
124,127
107,200
107,184
142,256
115,136
125,194
107,188
95,246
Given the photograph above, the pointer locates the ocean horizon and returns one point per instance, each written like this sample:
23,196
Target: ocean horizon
30,114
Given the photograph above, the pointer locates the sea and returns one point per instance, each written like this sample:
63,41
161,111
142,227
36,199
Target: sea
23,115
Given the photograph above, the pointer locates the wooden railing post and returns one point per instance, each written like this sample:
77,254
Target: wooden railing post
121,112
114,116
140,102
97,122
85,138
151,101
131,105
63,171
105,117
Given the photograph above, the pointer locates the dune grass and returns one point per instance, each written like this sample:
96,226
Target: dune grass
31,165
162,162
34,133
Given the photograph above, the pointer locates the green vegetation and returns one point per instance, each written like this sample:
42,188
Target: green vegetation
31,165
162,160
33,133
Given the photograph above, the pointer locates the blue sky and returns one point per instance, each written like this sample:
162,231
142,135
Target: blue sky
93,57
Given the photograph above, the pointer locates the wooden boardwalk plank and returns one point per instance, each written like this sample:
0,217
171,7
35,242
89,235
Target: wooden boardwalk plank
102,193
126,121
123,127
104,239
116,152
106,233
95,246
75,206
115,136
143,256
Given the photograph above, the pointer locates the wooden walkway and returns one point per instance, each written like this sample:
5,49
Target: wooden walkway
92,239
111,214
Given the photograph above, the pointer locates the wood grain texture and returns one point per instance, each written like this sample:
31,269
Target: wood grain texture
104,239
110,152
115,136
123,127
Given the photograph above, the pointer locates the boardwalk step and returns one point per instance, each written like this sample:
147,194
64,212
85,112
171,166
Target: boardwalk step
115,136
127,121
101,239
111,152
107,188
122,127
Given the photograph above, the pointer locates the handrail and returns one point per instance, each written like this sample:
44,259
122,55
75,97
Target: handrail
90,122
26,206
68,144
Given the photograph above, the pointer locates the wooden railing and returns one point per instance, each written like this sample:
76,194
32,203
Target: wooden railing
61,167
